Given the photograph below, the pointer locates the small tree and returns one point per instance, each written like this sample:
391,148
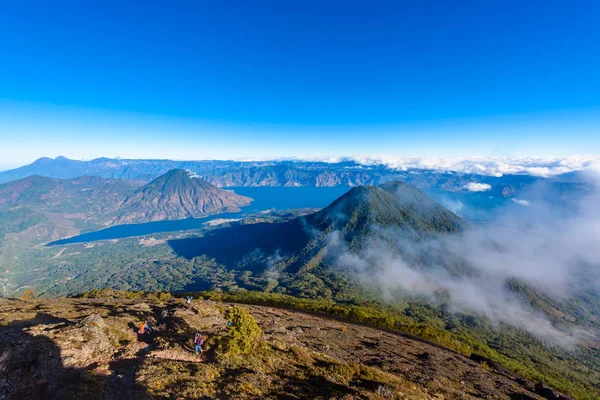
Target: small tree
27,295
242,335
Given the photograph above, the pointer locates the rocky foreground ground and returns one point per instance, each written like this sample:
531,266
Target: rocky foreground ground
90,349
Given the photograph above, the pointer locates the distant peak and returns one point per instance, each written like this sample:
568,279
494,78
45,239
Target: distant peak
184,173
61,158
175,171
43,159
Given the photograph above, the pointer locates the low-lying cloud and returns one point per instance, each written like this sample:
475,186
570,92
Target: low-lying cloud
477,187
522,202
553,250
490,166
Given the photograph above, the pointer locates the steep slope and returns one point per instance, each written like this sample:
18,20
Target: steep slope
178,194
304,244
393,204
88,348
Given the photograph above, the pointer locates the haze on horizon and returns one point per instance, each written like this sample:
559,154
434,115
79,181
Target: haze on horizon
276,79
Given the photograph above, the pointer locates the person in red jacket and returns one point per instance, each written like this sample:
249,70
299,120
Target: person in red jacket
198,342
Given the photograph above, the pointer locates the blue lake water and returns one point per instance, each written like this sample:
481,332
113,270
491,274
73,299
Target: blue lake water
265,198
473,206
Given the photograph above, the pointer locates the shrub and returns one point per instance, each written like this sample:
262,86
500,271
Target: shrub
162,296
242,335
29,294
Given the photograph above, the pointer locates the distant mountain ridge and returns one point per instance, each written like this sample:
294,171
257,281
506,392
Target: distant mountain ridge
266,173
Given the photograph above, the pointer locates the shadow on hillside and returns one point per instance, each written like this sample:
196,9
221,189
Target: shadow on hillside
230,245
32,367
309,386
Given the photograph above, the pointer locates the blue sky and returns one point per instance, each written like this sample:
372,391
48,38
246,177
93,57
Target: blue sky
246,79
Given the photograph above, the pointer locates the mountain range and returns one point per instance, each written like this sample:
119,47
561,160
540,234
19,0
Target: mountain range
269,173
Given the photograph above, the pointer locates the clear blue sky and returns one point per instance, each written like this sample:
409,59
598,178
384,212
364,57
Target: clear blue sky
298,78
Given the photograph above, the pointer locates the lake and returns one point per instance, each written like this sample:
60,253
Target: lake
265,198
473,206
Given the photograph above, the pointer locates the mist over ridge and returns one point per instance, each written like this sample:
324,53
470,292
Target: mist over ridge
549,247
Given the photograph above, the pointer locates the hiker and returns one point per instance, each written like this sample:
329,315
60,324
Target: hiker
198,342
189,302
163,320
144,328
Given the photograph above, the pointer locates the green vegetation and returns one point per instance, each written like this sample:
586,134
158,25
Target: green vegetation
18,219
243,332
371,315
124,294
129,265
573,371
281,265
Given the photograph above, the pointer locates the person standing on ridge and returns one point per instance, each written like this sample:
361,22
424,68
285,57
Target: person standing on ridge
198,342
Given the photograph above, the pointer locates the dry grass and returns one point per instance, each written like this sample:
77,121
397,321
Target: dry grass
286,363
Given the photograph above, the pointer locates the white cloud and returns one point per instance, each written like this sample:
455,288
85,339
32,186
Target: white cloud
522,202
477,187
453,205
491,166
553,251
479,165
192,174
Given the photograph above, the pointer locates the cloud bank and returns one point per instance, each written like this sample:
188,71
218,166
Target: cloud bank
477,187
553,250
490,166
522,202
